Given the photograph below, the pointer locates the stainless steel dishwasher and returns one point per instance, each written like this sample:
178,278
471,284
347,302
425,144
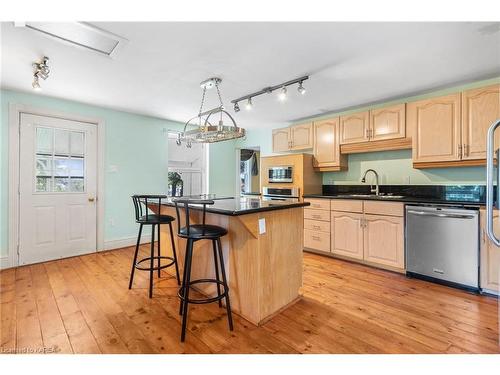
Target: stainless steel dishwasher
442,244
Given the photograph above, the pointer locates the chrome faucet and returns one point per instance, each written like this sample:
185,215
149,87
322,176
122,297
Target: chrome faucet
363,180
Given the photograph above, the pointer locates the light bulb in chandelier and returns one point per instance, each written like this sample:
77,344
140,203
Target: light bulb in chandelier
236,107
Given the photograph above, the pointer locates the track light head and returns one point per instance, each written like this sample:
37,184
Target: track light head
282,94
36,84
249,104
236,107
301,89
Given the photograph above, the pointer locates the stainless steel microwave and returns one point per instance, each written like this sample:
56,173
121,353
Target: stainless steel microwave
280,174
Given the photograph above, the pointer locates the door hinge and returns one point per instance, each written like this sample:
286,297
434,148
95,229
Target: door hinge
18,249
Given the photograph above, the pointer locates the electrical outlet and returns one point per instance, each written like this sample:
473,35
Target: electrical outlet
262,226
112,222
406,180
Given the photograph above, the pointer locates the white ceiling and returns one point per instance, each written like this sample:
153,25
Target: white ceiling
159,70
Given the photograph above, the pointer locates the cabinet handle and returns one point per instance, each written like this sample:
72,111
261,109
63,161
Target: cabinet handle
367,132
315,227
315,238
466,150
316,216
459,151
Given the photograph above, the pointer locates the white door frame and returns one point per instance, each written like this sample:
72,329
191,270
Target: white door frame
15,111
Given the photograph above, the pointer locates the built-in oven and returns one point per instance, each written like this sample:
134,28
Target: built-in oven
281,173
271,193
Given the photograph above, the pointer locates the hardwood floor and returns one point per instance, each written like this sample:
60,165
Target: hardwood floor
83,305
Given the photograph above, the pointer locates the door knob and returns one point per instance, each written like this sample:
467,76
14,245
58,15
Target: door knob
91,199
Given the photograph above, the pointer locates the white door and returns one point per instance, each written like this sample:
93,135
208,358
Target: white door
58,185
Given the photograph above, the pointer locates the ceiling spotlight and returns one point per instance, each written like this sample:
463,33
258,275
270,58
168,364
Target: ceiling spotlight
40,70
36,84
301,89
249,104
236,107
282,94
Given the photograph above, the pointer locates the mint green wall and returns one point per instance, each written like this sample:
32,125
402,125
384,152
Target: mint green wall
136,145
222,167
394,167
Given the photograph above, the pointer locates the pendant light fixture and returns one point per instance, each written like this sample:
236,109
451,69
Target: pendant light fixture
205,131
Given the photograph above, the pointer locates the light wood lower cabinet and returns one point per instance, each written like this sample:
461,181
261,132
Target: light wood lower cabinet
490,256
383,240
317,240
347,234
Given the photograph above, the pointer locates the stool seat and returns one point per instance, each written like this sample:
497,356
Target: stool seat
155,219
199,231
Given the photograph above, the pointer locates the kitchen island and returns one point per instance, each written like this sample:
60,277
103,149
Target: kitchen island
262,252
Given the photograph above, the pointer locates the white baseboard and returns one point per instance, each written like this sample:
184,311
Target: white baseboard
4,262
125,242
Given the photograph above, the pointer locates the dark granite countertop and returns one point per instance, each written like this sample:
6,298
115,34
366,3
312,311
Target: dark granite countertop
235,206
470,195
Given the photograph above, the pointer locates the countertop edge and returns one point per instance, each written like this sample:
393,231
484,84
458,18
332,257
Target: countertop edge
402,200
244,212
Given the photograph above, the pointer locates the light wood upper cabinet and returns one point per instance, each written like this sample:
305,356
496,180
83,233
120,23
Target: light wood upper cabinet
387,123
301,136
298,137
383,240
490,255
281,139
436,128
354,128
326,143
347,234
480,107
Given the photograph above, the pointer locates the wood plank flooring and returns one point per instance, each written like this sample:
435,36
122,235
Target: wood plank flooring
83,305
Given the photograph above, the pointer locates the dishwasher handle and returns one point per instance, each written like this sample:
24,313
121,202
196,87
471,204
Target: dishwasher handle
444,215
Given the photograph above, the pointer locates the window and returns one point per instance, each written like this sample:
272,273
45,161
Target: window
59,161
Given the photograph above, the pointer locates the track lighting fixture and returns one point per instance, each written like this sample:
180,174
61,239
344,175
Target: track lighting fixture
282,94
249,104
41,70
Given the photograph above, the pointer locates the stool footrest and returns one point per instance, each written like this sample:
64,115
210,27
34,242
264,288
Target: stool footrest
156,267
204,300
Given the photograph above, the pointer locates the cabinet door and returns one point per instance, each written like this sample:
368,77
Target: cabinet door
326,143
301,136
347,234
383,240
354,128
490,256
388,123
436,128
281,140
480,107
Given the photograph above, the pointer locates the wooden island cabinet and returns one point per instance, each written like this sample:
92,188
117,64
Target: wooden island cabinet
263,265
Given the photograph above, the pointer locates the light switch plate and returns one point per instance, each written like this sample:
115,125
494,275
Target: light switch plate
262,226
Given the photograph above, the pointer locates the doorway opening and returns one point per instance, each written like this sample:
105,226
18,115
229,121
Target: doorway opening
187,168
249,171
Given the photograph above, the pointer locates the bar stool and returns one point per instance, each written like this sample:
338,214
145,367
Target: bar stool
193,233
144,217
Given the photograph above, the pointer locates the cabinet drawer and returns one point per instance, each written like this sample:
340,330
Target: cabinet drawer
384,208
318,204
316,225
316,214
347,205
317,240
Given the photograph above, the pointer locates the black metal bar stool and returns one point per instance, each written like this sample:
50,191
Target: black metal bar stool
193,233
144,217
